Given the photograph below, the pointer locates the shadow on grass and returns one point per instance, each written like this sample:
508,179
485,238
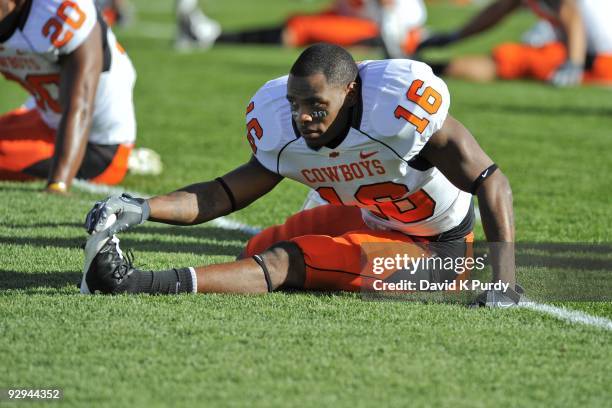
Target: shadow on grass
19,187
27,280
37,225
127,242
202,232
195,232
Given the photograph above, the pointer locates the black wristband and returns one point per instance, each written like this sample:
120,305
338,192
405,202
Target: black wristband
229,193
482,177
261,263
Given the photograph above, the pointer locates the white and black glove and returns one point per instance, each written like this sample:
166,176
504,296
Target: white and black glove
498,298
568,74
129,211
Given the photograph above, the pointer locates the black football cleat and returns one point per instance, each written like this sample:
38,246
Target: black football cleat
108,270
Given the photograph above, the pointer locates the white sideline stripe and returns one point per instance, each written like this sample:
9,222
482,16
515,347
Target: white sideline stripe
572,316
233,225
103,189
221,222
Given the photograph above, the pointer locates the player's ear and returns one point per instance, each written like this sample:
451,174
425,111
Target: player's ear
352,90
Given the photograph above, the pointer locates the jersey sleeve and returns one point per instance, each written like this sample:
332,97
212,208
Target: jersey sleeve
429,99
268,122
63,25
409,102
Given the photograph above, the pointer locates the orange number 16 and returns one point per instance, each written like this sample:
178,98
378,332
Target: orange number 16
429,100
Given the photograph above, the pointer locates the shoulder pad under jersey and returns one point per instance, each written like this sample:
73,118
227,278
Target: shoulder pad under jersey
268,121
402,98
59,26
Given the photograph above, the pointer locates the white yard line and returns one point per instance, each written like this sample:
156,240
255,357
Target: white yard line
572,316
103,189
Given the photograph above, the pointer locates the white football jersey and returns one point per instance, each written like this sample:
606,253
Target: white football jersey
408,14
377,165
50,29
597,18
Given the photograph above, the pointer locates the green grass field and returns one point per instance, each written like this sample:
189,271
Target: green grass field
302,349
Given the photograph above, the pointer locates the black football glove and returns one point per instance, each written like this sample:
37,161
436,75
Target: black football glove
129,211
498,298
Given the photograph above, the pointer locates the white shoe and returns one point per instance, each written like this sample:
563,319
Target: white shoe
195,30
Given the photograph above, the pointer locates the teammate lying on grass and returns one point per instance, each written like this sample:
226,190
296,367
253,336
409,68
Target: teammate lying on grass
375,140
395,24
79,120
578,49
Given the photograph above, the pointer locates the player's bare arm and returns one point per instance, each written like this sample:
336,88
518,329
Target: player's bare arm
455,152
571,20
190,205
484,20
79,77
7,6
203,202
570,17
488,17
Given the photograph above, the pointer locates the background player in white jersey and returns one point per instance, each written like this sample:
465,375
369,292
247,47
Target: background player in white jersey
193,28
79,121
577,49
395,24
375,140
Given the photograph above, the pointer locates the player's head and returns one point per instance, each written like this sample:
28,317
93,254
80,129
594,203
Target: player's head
321,89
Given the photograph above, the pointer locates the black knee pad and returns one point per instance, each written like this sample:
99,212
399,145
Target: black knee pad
297,272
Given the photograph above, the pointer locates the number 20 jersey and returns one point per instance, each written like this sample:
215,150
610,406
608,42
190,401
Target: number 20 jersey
50,29
377,166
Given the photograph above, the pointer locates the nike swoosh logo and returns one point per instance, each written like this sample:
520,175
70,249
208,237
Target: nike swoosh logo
366,155
505,305
483,175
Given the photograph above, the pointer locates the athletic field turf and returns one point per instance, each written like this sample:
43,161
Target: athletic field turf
304,349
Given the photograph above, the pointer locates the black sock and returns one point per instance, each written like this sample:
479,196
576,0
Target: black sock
168,282
257,36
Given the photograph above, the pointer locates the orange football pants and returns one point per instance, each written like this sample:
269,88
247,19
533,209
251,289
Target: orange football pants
341,30
331,239
26,140
515,60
